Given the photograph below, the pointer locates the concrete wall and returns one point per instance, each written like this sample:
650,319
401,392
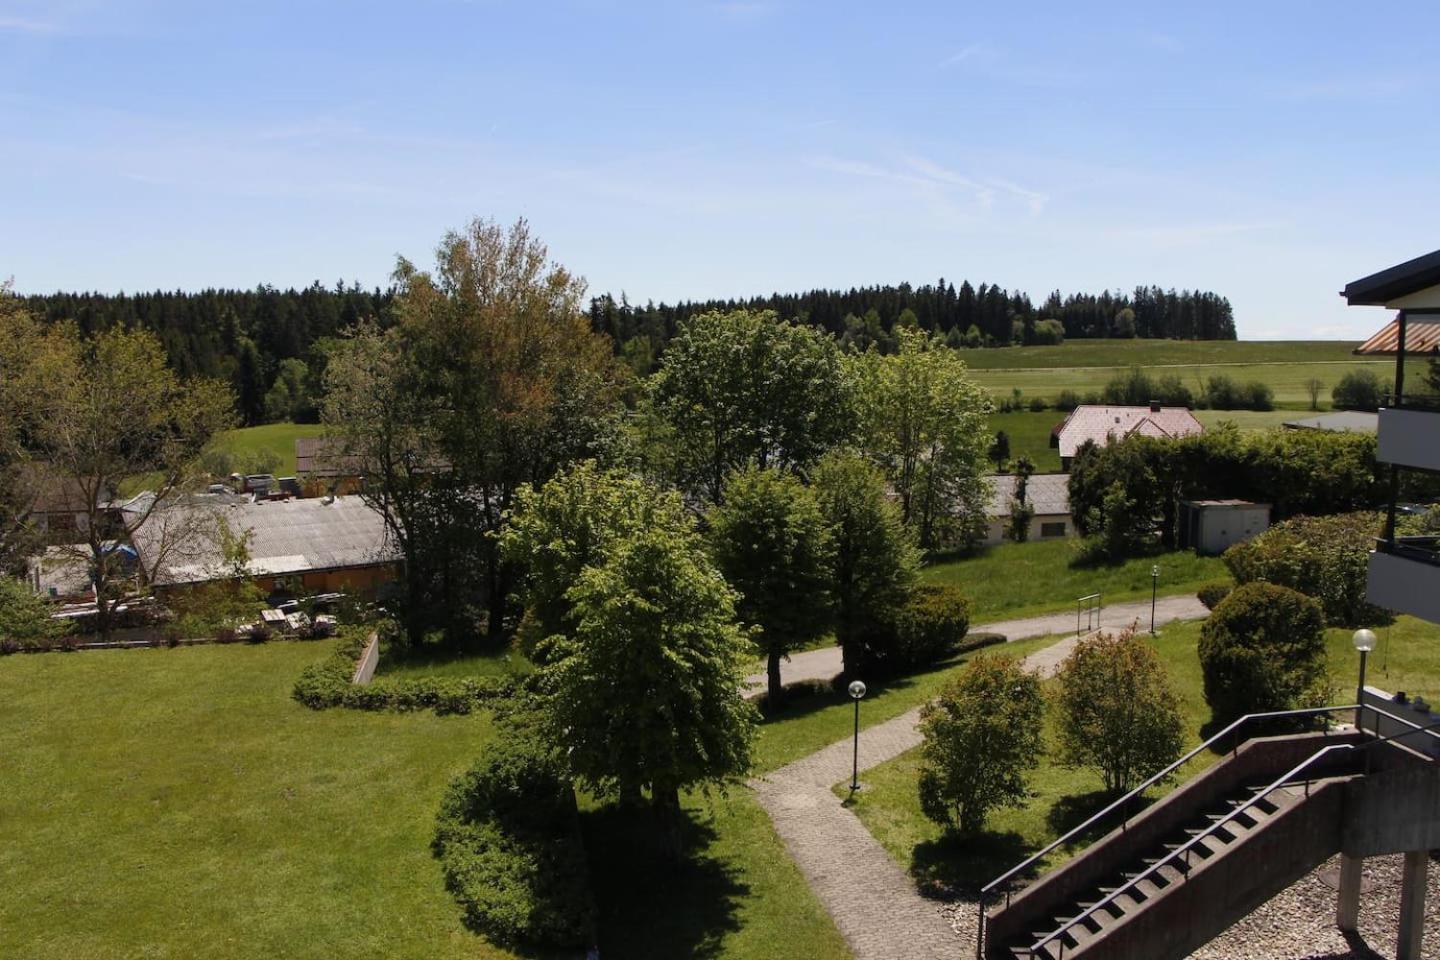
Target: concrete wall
1220,527
369,660
1404,585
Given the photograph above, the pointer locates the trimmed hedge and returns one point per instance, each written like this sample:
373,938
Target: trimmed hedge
508,840
1263,649
327,684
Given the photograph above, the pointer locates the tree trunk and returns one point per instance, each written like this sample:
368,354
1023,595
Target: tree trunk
775,691
666,803
630,797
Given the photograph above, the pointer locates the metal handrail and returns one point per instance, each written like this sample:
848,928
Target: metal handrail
1122,801
1185,848
1312,711
1092,621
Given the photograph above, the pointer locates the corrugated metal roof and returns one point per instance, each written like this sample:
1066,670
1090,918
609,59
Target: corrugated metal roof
286,537
1106,423
1048,493
1421,336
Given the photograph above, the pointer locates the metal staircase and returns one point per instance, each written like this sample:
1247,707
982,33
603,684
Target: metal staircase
1168,880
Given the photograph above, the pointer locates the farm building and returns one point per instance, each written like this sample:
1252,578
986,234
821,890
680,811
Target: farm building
1106,424
59,510
1047,493
316,545
322,470
1210,526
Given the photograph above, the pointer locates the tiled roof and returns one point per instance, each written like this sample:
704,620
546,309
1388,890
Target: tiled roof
313,457
1104,424
1048,493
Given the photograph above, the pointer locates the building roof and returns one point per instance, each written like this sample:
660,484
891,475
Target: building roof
1344,421
1421,336
286,537
1104,424
1226,503
55,493
1048,493
1394,282
316,457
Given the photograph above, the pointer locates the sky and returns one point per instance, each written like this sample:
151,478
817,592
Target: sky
1269,151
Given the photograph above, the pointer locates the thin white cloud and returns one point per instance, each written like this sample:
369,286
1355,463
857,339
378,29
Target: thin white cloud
22,25
970,51
937,181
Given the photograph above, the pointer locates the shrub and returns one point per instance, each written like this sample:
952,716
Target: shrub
1067,400
326,684
25,622
508,840
928,627
1263,649
1358,390
983,735
1038,405
1118,710
1322,557
1213,592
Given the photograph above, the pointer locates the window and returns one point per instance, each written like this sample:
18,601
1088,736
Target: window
1056,529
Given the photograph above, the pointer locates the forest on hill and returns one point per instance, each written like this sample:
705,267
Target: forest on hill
269,343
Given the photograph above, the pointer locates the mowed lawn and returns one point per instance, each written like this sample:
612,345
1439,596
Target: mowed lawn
1062,797
247,443
178,804
1014,580
1122,353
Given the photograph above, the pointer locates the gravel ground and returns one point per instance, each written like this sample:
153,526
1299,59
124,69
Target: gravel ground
1299,924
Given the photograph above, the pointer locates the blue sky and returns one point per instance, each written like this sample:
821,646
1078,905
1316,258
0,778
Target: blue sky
1269,151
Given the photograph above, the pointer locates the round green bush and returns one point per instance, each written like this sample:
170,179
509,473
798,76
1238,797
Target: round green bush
927,628
1213,592
1263,649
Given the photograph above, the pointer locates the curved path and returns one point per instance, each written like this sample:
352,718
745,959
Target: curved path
872,900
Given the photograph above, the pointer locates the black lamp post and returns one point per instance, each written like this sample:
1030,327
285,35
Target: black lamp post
1154,587
857,693
1364,641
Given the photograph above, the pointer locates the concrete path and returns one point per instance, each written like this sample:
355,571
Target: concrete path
825,663
872,900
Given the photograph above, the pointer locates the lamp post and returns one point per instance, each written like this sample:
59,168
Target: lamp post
1154,587
857,692
1364,641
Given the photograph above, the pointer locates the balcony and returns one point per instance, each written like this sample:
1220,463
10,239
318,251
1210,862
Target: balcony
1404,576
1410,436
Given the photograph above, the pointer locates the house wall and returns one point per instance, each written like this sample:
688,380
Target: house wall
313,486
363,581
996,527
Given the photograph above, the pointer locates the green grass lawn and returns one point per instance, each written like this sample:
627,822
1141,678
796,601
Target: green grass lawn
1122,353
177,803
1061,798
247,444
1029,434
1014,580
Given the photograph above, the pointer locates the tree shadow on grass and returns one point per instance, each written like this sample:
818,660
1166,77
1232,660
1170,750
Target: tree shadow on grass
954,866
1070,812
653,907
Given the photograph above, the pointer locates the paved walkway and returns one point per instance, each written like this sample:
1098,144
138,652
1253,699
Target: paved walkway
872,900
825,663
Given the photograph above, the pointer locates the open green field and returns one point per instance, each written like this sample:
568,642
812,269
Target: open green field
1029,434
246,445
1149,353
177,803
1061,797
1014,580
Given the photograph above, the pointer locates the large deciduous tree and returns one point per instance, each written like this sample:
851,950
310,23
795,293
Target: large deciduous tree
500,379
922,419
772,543
876,560
648,687
558,530
744,388
1118,710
